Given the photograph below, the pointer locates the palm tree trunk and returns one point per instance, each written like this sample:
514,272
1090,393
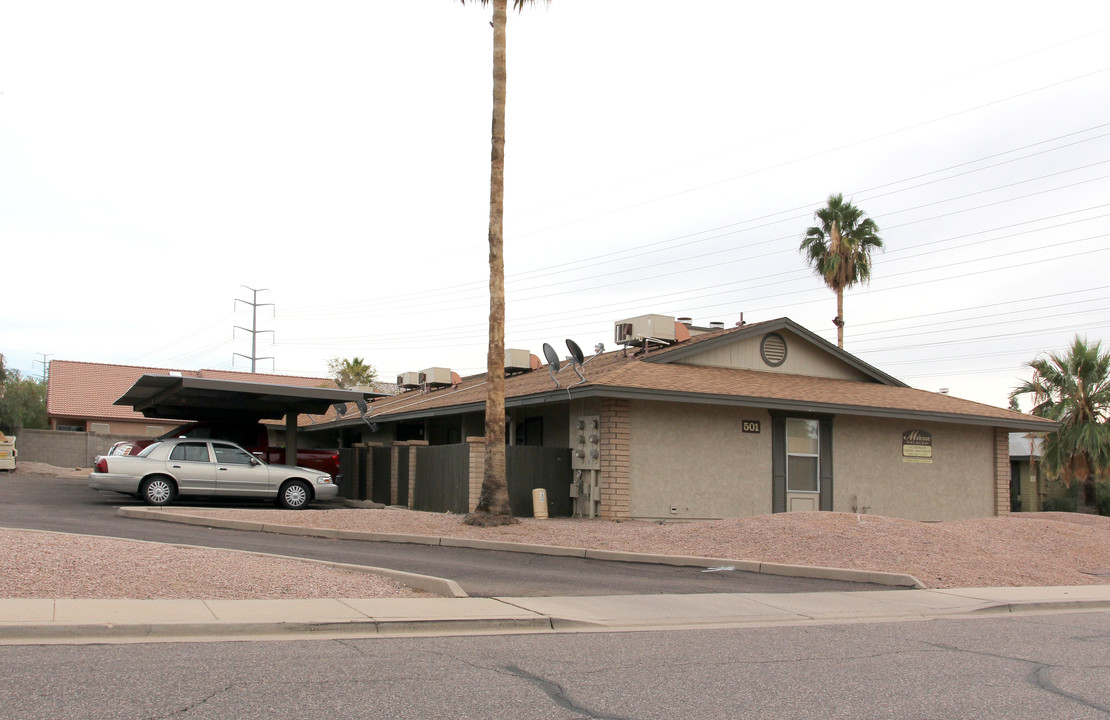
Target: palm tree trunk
494,498
840,318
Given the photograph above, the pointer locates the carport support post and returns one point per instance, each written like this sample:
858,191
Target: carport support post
291,438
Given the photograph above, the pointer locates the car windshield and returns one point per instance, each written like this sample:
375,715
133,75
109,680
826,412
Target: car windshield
148,449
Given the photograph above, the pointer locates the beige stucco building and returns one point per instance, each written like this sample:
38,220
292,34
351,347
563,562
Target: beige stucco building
760,418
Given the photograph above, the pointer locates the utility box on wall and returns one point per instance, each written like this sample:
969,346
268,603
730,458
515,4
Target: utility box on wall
585,462
585,442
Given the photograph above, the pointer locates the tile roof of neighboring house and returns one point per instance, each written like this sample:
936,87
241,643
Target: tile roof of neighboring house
87,390
615,374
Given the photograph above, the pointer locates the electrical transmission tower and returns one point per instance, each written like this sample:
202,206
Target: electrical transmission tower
253,330
45,364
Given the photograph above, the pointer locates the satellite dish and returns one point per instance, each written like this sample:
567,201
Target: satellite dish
340,408
552,356
361,404
576,360
552,362
575,351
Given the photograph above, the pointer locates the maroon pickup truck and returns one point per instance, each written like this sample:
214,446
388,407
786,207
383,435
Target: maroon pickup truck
254,438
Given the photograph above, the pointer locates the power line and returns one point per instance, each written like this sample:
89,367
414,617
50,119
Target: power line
547,270
812,156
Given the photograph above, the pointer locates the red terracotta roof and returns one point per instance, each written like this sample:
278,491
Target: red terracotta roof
87,390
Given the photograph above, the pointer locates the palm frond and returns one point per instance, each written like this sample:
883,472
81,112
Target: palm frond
1073,389
518,5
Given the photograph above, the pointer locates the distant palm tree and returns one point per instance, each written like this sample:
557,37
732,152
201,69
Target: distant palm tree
353,372
493,501
839,250
1074,390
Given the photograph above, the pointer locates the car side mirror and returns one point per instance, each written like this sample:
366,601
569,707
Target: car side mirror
255,461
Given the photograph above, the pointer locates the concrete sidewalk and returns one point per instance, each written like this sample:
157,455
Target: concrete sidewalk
85,621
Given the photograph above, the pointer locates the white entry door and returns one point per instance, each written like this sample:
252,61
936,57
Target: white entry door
803,462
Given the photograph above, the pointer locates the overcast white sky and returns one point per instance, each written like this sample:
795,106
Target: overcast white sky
662,157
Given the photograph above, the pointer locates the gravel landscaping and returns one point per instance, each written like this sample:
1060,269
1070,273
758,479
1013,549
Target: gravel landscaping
1022,549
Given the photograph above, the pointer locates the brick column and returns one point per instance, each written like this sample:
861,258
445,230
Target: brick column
413,445
477,467
394,454
614,480
1001,471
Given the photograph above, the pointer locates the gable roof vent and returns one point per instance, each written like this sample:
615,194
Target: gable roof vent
773,349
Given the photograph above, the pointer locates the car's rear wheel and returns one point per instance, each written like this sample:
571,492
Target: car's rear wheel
295,495
157,490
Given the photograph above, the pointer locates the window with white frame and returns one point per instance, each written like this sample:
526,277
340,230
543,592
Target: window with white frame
802,456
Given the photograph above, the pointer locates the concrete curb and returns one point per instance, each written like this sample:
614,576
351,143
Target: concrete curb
804,571
1048,605
94,632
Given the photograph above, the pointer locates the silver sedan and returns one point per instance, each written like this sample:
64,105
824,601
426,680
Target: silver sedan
184,466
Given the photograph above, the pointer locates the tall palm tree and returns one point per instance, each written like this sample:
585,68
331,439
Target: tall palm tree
839,250
1074,390
493,502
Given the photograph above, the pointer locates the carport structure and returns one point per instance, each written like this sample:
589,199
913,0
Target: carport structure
189,398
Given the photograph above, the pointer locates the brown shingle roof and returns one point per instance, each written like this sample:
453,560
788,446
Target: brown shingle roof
615,374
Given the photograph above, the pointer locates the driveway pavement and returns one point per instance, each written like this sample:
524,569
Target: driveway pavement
69,505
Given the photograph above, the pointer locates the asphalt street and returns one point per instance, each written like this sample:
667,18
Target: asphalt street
1028,667
69,505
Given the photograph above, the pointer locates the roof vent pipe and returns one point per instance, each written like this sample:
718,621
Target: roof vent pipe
741,322
686,321
717,325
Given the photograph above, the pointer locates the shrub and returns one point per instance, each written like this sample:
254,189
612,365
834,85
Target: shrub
1059,503
1102,498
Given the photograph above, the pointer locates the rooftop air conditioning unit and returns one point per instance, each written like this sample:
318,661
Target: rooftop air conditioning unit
435,377
408,381
637,330
517,360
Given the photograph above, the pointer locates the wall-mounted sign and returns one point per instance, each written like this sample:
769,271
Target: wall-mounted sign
917,446
749,426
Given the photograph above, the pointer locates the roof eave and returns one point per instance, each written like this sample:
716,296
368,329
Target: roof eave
779,404
806,406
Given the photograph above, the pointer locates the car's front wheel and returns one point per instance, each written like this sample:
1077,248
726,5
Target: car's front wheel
295,495
157,491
